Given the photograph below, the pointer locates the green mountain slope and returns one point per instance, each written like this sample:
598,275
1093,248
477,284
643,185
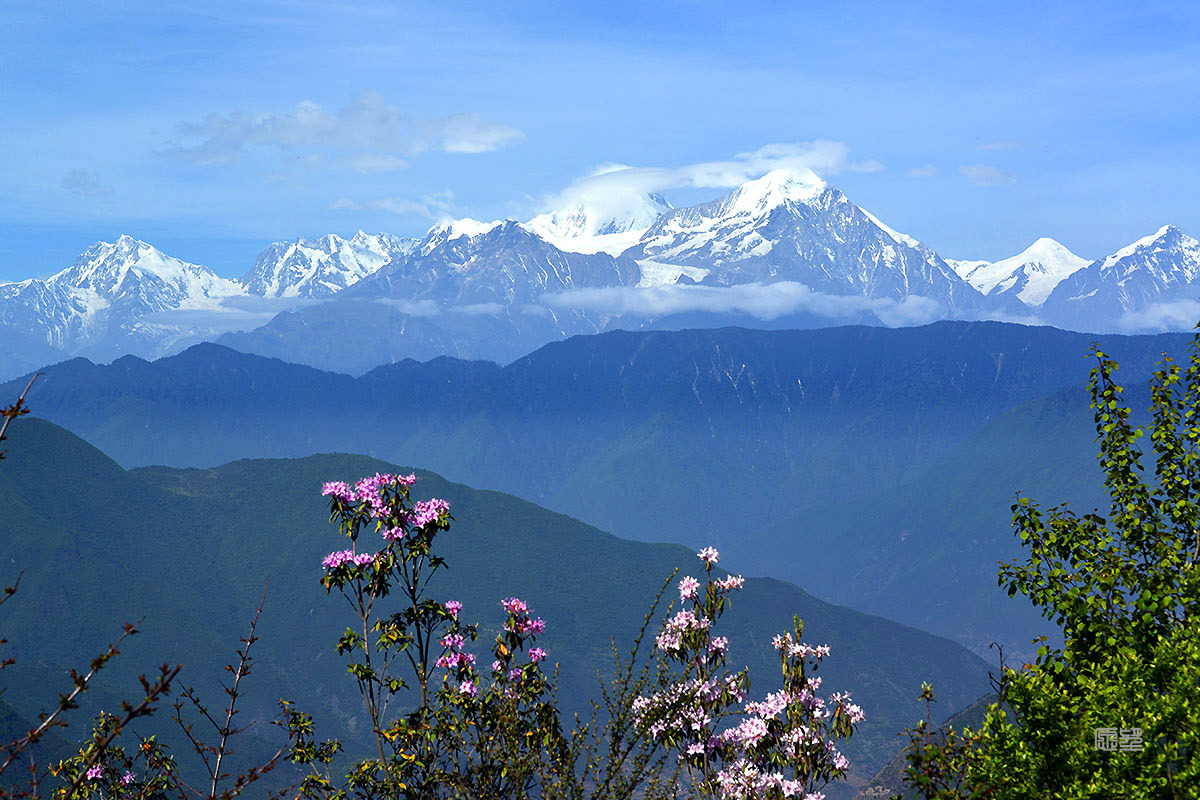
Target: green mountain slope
926,552
190,549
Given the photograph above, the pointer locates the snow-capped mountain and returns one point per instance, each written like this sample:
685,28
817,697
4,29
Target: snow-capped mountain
1163,267
111,297
1031,275
792,226
317,268
468,263
468,289
583,227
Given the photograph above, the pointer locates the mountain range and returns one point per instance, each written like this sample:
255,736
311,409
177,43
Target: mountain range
783,250
875,464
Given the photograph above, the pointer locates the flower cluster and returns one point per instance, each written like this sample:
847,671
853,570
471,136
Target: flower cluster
337,559
673,633
744,749
426,512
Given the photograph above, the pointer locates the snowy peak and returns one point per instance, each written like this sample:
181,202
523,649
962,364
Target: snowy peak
316,268
779,187
792,226
1031,275
591,226
1154,271
131,268
450,230
1151,251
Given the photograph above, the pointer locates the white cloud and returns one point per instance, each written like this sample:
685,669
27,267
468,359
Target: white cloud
763,301
375,135
613,190
987,175
1177,315
236,313
927,171
84,183
368,163
431,206
345,204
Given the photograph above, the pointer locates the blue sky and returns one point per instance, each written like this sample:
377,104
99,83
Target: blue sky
210,133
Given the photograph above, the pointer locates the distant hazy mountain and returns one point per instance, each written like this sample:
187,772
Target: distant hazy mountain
1031,275
204,541
1109,294
318,268
693,436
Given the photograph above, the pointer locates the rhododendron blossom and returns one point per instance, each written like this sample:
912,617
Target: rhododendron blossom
708,555
536,654
514,606
427,512
339,490
730,582
337,559
453,607
687,587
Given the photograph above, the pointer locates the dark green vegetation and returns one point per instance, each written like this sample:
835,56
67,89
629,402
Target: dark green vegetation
190,549
873,466
1112,712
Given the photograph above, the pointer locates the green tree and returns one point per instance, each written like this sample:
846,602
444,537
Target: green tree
1114,712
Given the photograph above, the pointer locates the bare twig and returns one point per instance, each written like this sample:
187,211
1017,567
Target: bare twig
66,701
226,729
15,410
243,669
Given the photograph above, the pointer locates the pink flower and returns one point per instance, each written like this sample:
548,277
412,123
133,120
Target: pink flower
94,772
427,512
338,489
394,534
468,688
453,607
730,582
687,587
337,559
497,666
718,644
453,640
708,555
127,778
536,654
514,606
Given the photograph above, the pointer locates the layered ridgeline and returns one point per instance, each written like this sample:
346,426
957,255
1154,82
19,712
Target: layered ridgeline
926,552
709,436
786,250
190,549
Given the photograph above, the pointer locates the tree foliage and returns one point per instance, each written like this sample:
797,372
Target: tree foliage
1114,712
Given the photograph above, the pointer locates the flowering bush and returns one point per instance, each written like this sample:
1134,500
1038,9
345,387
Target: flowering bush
782,746
473,733
495,732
